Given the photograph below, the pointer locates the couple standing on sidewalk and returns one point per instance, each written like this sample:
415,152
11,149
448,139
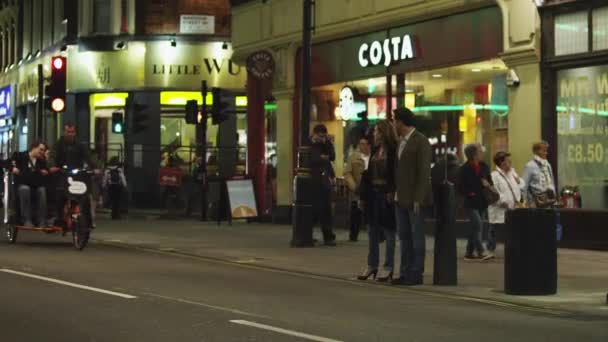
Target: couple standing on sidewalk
392,191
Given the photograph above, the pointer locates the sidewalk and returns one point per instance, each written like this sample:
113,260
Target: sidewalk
582,284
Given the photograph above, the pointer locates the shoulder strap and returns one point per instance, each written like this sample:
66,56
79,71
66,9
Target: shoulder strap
508,184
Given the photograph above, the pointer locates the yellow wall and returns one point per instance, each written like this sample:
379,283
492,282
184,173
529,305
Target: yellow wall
524,115
285,163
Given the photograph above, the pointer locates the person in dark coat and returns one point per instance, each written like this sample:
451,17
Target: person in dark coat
31,176
377,191
474,176
322,173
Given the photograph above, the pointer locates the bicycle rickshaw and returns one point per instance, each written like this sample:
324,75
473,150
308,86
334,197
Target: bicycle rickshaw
76,211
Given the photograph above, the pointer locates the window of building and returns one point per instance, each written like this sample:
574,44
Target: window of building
571,33
102,14
600,29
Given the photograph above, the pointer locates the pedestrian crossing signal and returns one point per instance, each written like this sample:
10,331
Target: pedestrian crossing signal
117,123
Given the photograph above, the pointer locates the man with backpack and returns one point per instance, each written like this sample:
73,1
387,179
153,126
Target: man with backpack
114,182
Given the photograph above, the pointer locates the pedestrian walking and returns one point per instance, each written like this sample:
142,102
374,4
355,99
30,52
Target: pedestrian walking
322,172
474,177
115,183
377,200
539,179
355,166
509,186
413,190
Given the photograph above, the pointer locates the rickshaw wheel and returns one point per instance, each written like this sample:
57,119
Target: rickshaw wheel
80,234
11,233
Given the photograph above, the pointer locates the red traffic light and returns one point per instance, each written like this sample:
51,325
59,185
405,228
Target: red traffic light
58,63
58,105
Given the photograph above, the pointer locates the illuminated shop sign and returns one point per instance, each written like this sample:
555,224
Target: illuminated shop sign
390,50
6,101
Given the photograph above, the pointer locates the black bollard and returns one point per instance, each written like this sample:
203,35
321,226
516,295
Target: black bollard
302,210
445,271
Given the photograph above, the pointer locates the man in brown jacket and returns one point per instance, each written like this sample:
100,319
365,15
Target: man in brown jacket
413,181
355,166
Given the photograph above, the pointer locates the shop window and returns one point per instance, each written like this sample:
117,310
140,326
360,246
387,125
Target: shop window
600,29
582,124
571,33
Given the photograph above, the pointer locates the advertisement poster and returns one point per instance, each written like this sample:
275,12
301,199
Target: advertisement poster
242,199
582,129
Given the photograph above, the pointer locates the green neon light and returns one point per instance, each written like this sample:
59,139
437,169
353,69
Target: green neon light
270,106
498,110
583,110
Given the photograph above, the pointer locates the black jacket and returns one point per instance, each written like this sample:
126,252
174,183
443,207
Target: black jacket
321,169
386,209
30,174
73,155
470,187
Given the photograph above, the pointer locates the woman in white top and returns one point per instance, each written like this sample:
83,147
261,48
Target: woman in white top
509,185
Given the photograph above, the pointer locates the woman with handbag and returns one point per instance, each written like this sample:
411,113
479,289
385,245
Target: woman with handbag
475,185
377,196
509,186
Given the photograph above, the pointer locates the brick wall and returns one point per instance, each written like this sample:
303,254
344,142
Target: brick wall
162,16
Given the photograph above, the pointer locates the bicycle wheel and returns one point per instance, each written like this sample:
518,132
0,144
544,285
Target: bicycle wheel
80,233
11,233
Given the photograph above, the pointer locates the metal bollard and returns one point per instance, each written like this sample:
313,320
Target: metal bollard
445,270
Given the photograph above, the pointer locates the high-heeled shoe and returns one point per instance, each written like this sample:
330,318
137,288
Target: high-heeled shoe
386,278
367,274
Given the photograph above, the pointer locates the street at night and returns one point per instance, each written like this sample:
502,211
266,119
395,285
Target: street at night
126,294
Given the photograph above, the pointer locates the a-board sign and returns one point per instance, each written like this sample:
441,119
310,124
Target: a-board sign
242,198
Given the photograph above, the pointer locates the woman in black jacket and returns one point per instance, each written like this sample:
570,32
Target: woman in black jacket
377,192
474,176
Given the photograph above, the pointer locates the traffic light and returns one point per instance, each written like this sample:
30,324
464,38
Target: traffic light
137,116
192,112
118,124
57,87
220,107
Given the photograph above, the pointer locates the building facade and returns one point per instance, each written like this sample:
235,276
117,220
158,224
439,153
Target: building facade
156,52
575,95
469,69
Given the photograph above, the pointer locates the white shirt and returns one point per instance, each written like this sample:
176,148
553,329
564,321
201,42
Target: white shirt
510,193
403,143
365,160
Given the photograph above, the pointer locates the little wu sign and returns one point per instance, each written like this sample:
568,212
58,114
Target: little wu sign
390,50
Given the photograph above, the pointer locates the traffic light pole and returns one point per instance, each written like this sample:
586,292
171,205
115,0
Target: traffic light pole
304,192
202,125
40,131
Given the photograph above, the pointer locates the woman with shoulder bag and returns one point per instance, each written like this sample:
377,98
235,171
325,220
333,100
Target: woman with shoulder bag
475,184
509,186
377,196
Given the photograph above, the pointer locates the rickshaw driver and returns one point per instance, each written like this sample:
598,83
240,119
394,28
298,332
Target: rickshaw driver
68,152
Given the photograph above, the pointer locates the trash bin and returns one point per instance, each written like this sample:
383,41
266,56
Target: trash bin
531,252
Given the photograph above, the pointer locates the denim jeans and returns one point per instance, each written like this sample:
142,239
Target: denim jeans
491,240
474,244
413,242
378,207
25,202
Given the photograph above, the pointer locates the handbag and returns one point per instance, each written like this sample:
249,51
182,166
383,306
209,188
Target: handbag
489,192
545,199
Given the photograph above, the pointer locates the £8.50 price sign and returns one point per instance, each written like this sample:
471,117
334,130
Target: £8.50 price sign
589,153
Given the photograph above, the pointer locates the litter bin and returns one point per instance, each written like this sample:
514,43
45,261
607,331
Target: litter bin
531,252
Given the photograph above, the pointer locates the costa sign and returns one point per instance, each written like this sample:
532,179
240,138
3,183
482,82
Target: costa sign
388,51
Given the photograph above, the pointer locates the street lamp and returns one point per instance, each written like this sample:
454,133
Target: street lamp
302,219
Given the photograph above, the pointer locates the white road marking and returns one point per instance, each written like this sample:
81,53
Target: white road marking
283,331
208,306
66,283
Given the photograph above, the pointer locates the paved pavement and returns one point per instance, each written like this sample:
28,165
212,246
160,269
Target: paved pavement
51,292
582,284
